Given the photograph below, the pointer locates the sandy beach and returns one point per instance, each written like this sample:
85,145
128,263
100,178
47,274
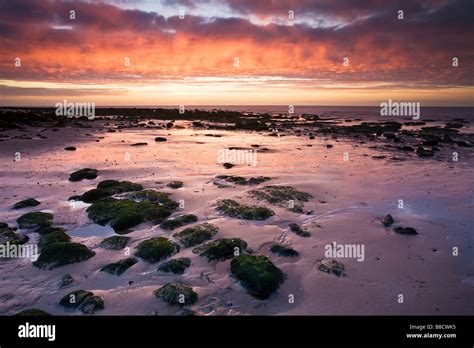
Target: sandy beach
351,193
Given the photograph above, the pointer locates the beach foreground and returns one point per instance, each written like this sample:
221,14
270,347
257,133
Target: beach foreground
352,182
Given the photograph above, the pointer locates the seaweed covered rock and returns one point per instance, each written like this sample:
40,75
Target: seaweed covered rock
176,266
405,230
114,242
388,220
175,184
295,228
283,250
91,304
53,237
59,254
331,266
257,274
192,236
85,173
221,180
10,236
237,210
32,312
29,202
176,294
119,267
221,249
109,188
155,249
284,196
178,221
50,229
161,198
74,298
126,213
35,220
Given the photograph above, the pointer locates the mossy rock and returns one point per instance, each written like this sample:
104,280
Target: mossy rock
176,294
91,304
109,188
32,312
115,242
86,173
50,229
239,180
295,228
29,202
175,184
283,250
119,267
192,236
156,249
178,221
331,266
160,198
35,220
257,274
74,298
405,230
237,210
221,249
125,213
176,266
8,235
59,254
280,195
53,237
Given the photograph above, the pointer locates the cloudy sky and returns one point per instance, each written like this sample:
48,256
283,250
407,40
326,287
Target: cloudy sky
298,52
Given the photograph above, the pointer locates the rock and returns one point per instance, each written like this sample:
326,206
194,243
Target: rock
50,229
221,249
176,294
152,196
331,266
176,266
379,157
85,173
108,188
8,235
29,202
32,312
228,165
91,304
239,180
283,250
329,146
139,144
178,221
114,242
70,148
119,267
65,281
59,254
74,298
281,195
422,152
257,274
295,228
388,220
159,139
175,184
407,148
405,230
51,238
35,220
237,210
192,236
155,249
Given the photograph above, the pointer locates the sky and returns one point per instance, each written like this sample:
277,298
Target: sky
236,52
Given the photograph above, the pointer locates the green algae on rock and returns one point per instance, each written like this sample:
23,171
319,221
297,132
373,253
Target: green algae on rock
176,266
283,250
195,235
59,254
284,196
29,202
85,173
237,210
221,249
155,249
175,184
115,242
35,220
119,267
257,274
178,221
331,266
176,294
53,237
295,228
32,312
8,235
